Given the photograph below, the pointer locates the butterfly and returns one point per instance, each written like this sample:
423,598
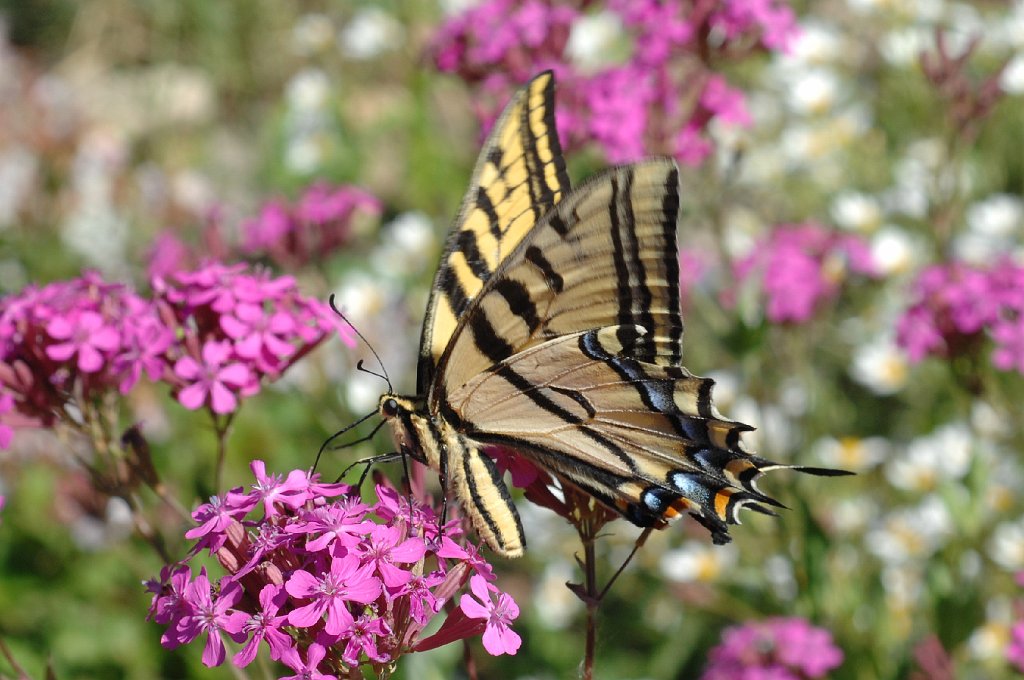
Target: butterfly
553,329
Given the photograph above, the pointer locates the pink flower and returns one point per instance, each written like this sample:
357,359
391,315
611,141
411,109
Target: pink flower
265,625
384,551
259,336
783,648
499,638
146,341
691,147
215,381
340,527
271,490
214,517
802,266
725,102
212,616
955,305
346,582
86,334
168,602
328,587
306,670
361,637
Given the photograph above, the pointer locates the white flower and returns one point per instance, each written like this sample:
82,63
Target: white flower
911,534
698,561
851,453
902,585
852,515
726,389
312,33
406,241
988,642
814,92
1012,77
880,366
362,391
1006,545
856,211
593,39
894,251
943,455
903,47
778,570
817,43
308,90
999,215
370,32
303,154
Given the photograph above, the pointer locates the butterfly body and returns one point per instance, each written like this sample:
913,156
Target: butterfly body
554,330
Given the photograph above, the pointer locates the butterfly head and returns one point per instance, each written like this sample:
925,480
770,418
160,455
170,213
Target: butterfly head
406,417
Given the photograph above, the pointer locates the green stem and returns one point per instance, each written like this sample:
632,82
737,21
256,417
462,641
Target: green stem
222,428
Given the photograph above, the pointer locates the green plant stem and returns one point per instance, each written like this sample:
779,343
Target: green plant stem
19,671
222,427
592,601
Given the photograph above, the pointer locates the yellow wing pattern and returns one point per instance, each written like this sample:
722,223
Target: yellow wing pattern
519,176
605,255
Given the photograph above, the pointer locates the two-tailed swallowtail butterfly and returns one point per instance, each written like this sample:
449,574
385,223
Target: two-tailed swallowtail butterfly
554,329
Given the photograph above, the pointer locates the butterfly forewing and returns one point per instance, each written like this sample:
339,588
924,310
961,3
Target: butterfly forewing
606,255
519,176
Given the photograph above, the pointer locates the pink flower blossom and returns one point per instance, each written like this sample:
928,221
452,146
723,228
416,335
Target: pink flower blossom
385,549
272,490
86,335
778,648
312,576
499,638
802,266
361,639
212,616
956,305
214,382
658,98
346,582
307,670
265,625
725,102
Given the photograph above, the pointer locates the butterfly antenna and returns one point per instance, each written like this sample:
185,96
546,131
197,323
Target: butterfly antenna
367,343
323,447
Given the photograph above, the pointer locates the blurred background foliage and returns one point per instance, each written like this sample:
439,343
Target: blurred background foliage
122,120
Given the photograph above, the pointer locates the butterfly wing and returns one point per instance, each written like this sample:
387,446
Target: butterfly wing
643,438
605,255
519,176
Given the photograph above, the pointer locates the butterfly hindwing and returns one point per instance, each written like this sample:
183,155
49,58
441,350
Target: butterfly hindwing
641,437
519,176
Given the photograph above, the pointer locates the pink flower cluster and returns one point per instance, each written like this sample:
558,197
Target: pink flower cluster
73,341
327,581
235,327
316,225
659,101
288,234
212,334
956,304
798,267
780,648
